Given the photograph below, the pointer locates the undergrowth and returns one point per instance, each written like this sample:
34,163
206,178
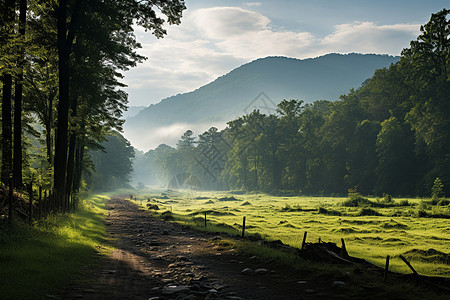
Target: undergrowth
34,261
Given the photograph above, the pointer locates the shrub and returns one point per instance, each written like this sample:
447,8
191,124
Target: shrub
167,216
403,202
231,198
440,212
152,206
422,213
368,212
287,207
198,219
423,205
437,190
434,201
323,210
443,202
356,200
439,202
387,199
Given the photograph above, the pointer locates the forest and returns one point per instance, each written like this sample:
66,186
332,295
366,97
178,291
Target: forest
61,65
390,136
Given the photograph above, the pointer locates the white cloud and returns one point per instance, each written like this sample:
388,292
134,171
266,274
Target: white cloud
247,34
253,4
220,23
367,37
212,41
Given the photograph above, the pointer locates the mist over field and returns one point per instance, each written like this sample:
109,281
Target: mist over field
170,134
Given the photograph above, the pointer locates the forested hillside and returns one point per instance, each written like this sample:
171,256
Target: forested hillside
391,135
231,95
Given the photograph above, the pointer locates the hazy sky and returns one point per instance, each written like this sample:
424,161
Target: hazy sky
216,36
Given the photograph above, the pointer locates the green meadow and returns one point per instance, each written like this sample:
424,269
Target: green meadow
34,261
414,228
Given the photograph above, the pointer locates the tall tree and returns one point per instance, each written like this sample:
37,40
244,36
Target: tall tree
65,38
337,133
395,151
290,164
7,17
18,95
113,164
426,67
41,71
125,13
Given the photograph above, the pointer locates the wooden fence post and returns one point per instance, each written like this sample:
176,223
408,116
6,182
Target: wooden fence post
243,226
386,268
53,201
45,203
304,240
409,265
205,219
30,192
10,200
40,202
344,249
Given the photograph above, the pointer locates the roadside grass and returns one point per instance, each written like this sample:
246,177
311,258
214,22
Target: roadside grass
35,261
370,233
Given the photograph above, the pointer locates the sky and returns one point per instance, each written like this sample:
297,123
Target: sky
216,36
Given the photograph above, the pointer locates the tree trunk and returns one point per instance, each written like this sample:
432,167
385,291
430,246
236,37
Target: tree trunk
17,147
71,157
70,164
17,157
78,166
6,129
8,13
65,39
60,163
48,130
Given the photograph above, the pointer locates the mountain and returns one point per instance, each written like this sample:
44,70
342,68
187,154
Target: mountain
261,84
132,111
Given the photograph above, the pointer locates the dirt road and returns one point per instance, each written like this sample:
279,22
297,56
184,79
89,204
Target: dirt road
160,260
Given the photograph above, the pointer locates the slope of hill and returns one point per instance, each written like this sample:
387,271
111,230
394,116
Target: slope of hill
272,79
132,111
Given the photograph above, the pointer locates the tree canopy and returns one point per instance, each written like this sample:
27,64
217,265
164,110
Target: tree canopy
65,59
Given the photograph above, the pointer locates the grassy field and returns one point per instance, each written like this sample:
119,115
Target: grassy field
34,261
371,230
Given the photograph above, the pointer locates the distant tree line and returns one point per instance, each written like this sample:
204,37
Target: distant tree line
391,135
112,164
61,62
